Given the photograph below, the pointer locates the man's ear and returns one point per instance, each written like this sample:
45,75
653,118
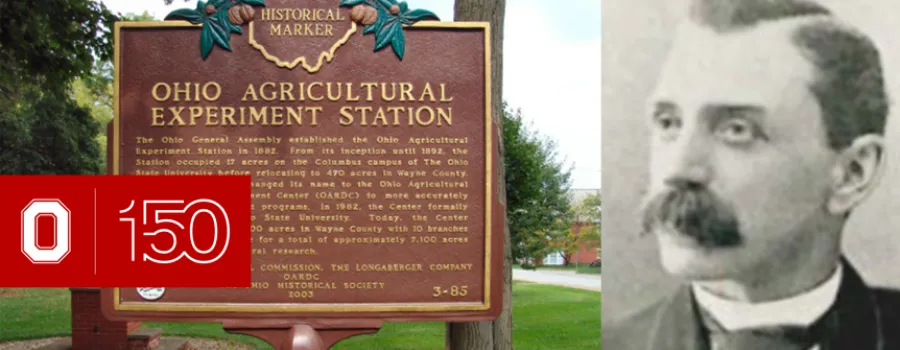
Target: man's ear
856,173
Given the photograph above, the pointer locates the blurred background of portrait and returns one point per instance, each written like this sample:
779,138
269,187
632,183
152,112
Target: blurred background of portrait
636,37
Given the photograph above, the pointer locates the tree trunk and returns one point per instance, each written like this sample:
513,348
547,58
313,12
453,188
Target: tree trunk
495,335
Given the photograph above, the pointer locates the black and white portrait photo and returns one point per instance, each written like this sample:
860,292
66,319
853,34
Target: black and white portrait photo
751,180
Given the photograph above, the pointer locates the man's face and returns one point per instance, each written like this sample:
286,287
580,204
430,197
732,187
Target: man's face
739,159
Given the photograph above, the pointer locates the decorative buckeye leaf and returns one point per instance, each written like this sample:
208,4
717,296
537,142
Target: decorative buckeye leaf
398,41
420,15
216,28
206,40
351,2
385,35
380,21
221,28
369,29
189,15
235,28
388,28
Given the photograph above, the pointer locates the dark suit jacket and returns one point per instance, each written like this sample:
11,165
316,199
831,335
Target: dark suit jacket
862,318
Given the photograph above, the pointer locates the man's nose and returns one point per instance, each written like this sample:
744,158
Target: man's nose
690,166
688,180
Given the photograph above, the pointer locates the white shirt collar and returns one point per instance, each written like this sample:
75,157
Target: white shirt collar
799,310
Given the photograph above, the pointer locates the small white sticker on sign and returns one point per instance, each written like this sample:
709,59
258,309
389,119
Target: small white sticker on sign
151,293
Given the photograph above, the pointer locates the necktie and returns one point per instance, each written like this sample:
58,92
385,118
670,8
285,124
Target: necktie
768,338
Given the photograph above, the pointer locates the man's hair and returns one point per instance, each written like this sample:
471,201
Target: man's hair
849,85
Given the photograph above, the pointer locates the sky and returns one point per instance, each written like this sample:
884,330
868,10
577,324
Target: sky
551,70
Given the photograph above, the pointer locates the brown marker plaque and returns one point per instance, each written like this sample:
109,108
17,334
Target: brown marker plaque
372,174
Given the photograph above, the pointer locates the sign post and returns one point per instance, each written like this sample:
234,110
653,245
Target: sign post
366,127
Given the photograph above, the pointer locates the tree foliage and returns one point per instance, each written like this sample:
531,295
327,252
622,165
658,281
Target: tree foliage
583,228
95,91
48,134
537,187
46,45
567,243
95,94
55,85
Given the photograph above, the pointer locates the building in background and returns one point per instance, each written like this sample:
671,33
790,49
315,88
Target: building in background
584,255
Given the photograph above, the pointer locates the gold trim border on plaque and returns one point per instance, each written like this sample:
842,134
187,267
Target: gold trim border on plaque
343,307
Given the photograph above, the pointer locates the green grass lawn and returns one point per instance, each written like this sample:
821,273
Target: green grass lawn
544,317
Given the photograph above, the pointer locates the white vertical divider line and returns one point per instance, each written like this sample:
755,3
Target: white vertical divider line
95,231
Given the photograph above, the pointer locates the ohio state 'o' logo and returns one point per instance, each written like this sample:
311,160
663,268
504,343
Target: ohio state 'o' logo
62,231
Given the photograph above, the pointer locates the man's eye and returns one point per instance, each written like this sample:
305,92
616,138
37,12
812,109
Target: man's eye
736,131
667,125
666,120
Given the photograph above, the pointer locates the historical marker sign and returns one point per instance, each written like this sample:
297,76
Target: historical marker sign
366,126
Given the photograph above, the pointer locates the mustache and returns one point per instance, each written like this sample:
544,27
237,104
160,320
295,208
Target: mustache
696,212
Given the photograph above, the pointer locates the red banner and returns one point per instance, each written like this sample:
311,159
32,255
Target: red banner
125,231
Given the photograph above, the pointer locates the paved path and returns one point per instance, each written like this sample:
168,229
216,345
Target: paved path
559,278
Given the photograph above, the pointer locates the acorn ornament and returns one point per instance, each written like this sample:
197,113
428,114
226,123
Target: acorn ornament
241,14
364,14
210,9
234,15
248,14
395,9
